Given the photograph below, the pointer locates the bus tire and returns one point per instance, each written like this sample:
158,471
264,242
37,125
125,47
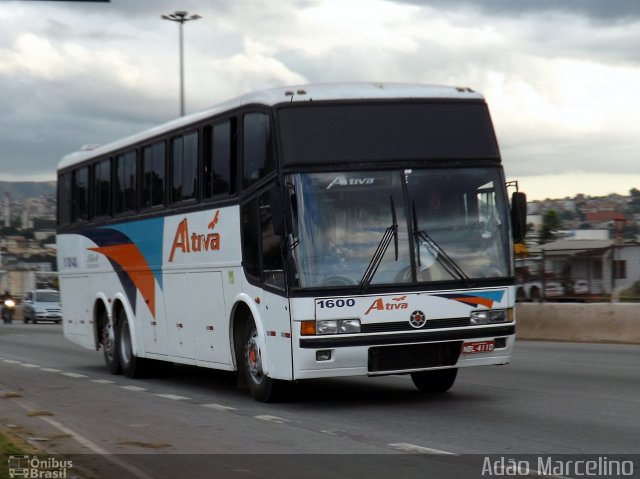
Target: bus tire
109,342
111,358
133,367
438,381
261,387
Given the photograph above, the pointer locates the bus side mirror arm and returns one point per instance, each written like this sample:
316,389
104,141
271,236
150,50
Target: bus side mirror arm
519,216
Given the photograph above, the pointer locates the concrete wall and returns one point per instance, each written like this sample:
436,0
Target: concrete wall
596,322
17,282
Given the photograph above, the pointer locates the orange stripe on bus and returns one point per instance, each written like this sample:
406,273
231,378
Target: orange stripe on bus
129,257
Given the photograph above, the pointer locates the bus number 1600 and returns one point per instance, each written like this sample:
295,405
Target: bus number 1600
336,303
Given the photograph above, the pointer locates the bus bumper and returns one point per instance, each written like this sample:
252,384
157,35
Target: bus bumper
375,355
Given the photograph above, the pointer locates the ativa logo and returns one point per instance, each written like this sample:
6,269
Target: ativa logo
380,305
344,181
196,242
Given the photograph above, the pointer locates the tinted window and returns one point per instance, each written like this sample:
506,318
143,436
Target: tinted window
251,238
184,167
272,265
338,134
258,154
153,174
102,188
47,297
125,186
64,199
220,157
259,239
81,194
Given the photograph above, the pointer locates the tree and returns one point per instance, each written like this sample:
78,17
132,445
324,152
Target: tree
550,224
634,203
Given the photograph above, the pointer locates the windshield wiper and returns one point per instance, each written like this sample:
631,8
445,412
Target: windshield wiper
390,233
449,265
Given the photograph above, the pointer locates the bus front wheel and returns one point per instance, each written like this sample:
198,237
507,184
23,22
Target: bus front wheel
438,381
262,387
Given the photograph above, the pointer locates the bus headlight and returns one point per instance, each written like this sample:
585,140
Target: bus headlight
489,316
330,326
327,327
349,325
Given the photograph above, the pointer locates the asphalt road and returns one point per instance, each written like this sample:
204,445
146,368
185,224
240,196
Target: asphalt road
553,399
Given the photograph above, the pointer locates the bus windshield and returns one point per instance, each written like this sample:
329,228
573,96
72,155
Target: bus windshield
451,225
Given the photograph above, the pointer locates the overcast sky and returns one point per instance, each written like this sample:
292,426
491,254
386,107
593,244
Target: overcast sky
562,77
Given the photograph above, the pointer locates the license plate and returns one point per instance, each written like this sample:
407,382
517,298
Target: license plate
478,347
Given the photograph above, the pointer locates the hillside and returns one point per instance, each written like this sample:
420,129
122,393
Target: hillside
20,190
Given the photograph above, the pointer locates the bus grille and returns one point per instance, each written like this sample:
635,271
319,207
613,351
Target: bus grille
413,356
405,326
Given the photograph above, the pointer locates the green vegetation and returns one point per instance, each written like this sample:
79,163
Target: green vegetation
632,294
11,445
550,224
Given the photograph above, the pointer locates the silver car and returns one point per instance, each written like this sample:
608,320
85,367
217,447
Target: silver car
42,305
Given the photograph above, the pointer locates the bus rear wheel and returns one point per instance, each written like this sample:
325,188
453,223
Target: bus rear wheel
262,387
438,381
133,367
109,348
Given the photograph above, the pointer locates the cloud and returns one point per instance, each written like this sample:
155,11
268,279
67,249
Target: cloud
596,10
560,77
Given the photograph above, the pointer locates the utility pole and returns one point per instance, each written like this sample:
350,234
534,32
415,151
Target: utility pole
181,17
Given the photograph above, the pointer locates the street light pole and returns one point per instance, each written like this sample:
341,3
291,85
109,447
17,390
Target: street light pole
181,17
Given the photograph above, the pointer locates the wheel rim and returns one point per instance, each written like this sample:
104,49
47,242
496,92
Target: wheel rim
108,342
253,359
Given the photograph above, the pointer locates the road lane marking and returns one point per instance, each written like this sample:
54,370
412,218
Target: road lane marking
27,365
133,388
75,375
420,449
220,407
102,381
173,397
139,473
276,419
81,439
335,432
11,361
51,370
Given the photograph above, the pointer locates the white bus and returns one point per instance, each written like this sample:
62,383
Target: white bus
295,233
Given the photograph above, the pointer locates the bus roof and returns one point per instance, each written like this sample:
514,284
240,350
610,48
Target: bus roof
286,94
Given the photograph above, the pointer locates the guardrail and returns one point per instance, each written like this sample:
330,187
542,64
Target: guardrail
595,322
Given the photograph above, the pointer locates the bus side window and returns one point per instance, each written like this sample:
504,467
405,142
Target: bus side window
250,238
219,159
153,175
261,246
102,188
64,199
125,183
272,264
80,194
184,167
258,158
